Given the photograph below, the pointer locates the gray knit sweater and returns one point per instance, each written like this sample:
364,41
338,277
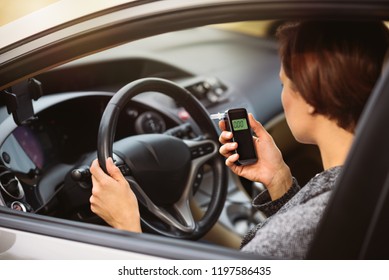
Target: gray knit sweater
292,219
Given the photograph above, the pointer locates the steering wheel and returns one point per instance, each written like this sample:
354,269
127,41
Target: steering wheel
161,169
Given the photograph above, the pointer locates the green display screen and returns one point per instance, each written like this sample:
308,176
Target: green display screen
239,124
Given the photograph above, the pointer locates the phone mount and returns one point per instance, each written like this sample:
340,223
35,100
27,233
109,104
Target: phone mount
19,99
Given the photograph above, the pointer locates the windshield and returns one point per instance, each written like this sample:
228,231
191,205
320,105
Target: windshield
32,17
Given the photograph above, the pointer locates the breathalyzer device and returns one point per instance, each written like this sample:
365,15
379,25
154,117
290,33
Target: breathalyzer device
237,122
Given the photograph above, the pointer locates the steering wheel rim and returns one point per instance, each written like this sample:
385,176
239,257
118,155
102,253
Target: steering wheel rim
198,113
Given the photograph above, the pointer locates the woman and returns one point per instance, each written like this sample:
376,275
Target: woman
328,70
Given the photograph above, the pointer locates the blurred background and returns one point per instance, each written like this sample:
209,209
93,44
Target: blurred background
13,9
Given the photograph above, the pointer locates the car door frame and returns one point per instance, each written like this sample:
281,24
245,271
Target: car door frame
44,51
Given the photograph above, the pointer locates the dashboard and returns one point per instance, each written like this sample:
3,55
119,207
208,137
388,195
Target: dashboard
65,131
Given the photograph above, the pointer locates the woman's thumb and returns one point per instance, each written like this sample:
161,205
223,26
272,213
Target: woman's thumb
257,127
113,170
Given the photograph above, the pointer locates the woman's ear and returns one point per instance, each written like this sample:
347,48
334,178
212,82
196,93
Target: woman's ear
311,109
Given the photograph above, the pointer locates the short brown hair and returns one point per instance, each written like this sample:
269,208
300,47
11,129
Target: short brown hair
334,65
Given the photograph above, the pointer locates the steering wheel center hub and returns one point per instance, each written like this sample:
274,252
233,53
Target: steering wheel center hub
157,162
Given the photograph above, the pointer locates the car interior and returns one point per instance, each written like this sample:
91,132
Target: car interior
223,66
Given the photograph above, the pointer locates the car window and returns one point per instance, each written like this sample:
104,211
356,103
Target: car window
263,28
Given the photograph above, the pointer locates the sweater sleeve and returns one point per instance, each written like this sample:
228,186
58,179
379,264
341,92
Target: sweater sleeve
264,203
288,233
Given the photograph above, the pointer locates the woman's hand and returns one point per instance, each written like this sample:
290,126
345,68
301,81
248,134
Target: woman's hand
270,169
112,198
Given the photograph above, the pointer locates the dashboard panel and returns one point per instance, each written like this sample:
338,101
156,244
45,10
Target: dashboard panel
67,130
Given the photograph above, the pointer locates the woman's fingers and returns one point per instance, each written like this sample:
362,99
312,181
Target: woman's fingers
222,125
227,149
230,161
225,137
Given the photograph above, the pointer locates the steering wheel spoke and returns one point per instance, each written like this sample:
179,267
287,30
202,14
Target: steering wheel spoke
182,207
201,150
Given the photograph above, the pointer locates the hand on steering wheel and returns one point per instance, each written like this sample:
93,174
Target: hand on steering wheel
112,198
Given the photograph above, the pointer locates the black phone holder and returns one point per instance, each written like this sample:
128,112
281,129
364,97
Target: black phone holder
19,100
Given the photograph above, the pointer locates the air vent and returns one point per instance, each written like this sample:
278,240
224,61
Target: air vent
9,184
209,90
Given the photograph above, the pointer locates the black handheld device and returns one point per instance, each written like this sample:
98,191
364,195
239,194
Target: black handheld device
238,123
